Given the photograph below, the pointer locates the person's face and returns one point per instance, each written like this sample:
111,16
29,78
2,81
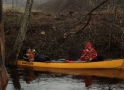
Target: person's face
29,50
89,47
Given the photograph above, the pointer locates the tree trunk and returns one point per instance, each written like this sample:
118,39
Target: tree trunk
21,35
4,77
2,33
115,10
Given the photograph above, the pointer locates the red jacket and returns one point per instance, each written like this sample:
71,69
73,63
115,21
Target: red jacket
90,53
30,55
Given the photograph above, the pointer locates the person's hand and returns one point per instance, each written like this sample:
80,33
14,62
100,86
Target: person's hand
90,59
87,50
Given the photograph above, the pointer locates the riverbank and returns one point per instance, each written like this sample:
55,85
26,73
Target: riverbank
54,33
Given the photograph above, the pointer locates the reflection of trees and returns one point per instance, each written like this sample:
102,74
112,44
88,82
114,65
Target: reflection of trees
15,79
101,83
110,83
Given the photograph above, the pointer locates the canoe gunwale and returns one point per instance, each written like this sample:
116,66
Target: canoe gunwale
108,64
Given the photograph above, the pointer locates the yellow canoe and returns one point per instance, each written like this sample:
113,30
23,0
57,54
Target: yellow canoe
108,64
111,73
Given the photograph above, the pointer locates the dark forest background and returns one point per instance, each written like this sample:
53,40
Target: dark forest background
60,28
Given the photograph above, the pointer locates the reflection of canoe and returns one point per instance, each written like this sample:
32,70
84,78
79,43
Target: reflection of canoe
108,64
112,73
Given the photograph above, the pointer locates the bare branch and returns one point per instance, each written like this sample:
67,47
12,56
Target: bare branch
88,14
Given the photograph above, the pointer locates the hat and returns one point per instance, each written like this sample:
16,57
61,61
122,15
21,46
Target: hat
88,44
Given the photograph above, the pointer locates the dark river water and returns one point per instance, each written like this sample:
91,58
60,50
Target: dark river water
45,79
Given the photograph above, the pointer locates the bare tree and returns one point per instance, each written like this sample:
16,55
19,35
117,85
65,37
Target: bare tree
3,72
12,4
89,15
21,35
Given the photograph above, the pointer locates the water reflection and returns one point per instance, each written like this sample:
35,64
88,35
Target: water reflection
57,79
87,80
30,76
15,78
112,73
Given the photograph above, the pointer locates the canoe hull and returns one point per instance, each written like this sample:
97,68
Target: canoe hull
111,73
109,64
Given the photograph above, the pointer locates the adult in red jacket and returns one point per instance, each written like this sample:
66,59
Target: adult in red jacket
30,54
89,53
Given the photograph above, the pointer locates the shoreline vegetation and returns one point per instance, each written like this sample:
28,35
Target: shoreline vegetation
53,32
60,28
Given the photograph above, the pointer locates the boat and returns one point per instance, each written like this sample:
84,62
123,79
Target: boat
110,73
106,64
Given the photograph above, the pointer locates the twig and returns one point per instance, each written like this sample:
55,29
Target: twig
88,14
